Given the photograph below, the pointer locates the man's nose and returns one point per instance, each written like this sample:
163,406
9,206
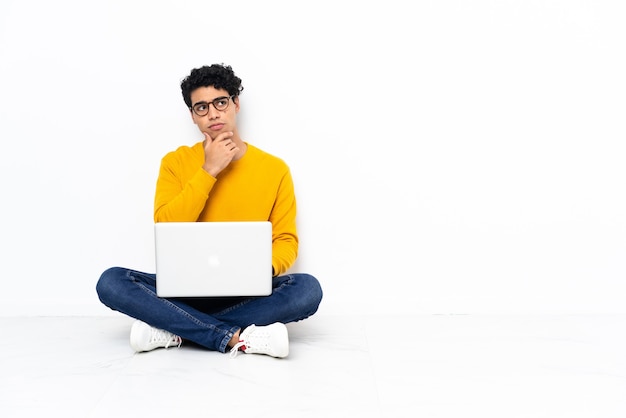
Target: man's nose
213,112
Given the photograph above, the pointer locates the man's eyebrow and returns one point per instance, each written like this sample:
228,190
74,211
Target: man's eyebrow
210,101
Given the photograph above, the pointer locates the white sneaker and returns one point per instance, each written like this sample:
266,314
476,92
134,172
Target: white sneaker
272,340
143,337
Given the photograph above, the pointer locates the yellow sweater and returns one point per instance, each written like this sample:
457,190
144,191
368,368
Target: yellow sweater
257,187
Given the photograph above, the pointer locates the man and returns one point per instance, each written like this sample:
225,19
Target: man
222,178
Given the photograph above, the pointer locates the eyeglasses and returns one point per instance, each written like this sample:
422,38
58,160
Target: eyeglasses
219,103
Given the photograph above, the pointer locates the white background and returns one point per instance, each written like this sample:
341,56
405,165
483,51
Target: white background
449,156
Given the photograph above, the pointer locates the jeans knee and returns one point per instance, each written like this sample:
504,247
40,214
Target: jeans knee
313,291
107,283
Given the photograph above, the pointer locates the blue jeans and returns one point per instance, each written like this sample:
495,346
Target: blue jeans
209,322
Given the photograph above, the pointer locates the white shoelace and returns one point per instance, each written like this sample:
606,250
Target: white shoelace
235,350
162,336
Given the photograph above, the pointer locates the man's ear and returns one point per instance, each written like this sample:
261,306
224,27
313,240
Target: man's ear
236,102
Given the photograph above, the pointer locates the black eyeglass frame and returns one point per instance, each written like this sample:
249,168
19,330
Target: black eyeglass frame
212,102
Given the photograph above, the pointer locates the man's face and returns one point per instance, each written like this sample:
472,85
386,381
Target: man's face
215,121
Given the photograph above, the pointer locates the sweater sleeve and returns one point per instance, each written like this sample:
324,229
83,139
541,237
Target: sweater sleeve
283,218
181,194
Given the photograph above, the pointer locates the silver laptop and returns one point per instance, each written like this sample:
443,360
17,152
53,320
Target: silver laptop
213,259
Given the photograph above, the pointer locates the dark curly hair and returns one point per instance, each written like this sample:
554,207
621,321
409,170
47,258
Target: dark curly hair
219,76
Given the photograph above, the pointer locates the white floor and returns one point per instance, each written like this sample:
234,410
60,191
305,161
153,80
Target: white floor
423,366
